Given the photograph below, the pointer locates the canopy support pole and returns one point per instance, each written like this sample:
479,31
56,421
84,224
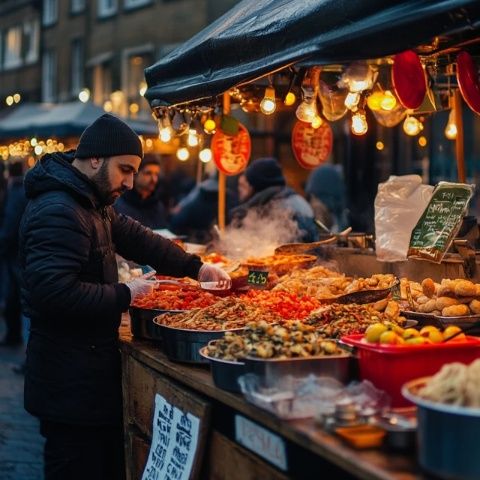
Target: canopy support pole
222,181
459,143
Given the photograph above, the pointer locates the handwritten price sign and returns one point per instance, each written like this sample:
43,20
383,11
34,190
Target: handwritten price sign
257,278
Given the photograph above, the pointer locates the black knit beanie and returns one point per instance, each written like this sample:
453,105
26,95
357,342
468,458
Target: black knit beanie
108,136
264,173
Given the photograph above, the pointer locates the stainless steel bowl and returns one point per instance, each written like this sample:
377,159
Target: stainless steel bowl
183,345
448,443
225,373
335,366
142,325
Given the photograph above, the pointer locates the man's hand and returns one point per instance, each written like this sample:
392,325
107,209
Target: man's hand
213,277
141,286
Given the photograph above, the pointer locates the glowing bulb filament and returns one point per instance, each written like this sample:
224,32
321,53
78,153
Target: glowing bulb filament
165,134
412,126
192,140
290,99
183,154
268,105
205,155
351,100
388,101
451,128
359,124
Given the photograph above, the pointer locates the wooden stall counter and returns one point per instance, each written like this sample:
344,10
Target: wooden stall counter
236,440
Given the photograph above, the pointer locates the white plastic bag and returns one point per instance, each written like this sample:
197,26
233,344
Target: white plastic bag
399,204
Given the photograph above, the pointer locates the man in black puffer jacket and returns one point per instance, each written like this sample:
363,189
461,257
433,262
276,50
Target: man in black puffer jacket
68,238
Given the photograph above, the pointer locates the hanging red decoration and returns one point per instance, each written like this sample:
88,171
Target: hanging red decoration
311,146
231,153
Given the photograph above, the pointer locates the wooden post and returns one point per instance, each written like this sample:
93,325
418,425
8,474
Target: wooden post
222,181
459,143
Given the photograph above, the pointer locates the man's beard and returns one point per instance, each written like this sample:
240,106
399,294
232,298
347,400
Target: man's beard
104,188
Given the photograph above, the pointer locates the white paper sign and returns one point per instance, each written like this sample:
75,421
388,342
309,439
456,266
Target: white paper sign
261,441
174,443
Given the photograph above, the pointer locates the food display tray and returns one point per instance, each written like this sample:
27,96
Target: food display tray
364,296
142,325
269,370
225,373
182,345
441,321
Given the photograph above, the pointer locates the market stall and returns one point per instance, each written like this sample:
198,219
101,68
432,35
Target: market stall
288,316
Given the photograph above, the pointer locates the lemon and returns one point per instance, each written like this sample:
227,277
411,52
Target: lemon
373,332
452,330
415,340
410,333
389,337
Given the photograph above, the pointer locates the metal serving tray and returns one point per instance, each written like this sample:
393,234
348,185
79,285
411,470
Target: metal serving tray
183,345
225,373
335,366
365,296
442,322
142,325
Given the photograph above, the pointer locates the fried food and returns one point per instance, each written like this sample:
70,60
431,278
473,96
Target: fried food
456,311
475,306
464,288
428,287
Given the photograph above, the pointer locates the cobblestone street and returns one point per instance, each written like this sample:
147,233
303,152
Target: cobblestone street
20,442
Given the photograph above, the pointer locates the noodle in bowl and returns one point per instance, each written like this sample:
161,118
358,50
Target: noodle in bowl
447,434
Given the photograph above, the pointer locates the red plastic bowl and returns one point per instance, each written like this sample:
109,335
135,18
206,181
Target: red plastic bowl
388,367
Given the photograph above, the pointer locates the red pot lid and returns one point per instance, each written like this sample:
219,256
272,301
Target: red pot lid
467,77
231,153
311,146
409,79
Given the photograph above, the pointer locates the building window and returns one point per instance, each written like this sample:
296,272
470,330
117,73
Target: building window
77,66
31,33
49,76
136,3
77,6
102,85
107,8
13,47
50,12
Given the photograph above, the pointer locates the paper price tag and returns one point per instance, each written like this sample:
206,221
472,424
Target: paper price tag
257,278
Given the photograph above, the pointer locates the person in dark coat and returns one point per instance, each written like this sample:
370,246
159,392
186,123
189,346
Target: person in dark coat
263,188
69,235
15,202
143,202
325,190
195,215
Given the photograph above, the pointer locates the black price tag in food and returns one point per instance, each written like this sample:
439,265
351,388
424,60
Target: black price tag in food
257,278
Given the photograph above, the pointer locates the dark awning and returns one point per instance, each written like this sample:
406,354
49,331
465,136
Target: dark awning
59,120
257,37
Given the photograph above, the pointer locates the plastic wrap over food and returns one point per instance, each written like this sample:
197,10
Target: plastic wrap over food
399,203
307,397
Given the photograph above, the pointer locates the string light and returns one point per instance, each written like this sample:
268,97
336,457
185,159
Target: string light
166,130
317,122
183,154
451,127
374,101
412,126
359,124
268,104
388,101
380,145
205,155
290,99
307,110
209,126
143,89
422,141
351,100
84,95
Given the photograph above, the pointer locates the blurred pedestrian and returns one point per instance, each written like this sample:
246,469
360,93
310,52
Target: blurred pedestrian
325,190
263,188
196,213
143,202
15,202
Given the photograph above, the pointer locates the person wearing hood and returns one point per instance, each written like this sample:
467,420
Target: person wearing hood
262,188
195,215
325,190
69,235
143,202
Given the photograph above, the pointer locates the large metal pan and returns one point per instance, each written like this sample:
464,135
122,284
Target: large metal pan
142,325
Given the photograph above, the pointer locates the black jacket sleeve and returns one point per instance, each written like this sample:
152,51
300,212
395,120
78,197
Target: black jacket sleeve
135,242
56,245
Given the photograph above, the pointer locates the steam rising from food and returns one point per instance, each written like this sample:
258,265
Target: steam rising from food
258,233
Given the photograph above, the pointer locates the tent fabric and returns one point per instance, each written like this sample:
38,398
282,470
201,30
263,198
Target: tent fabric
59,120
257,37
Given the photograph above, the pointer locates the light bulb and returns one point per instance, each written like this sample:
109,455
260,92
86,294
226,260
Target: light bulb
17,97
290,99
374,101
183,154
142,89
192,139
307,110
209,125
84,95
33,141
38,150
412,126
205,155
451,128
317,122
388,102
268,105
351,100
9,100
165,134
359,124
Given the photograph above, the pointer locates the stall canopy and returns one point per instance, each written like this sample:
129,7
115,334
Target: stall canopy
257,37
58,120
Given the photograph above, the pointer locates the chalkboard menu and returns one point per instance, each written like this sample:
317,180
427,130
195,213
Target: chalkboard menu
174,443
440,221
257,278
